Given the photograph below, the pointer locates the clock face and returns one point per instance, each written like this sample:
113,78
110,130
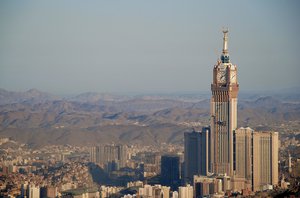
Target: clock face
221,77
233,77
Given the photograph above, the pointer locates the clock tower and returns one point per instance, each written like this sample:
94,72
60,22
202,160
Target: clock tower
223,112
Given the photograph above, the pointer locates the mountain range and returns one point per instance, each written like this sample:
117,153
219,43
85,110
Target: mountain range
38,118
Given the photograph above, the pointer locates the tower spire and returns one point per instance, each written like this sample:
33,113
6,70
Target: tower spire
225,54
225,41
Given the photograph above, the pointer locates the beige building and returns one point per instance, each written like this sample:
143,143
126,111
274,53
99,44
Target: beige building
255,160
185,191
242,148
265,160
223,112
249,158
156,191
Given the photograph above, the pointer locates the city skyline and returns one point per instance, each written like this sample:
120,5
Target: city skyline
116,156
65,48
240,159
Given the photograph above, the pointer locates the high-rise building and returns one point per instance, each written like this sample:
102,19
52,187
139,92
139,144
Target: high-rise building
240,159
196,149
122,154
255,160
170,171
104,154
94,153
223,111
243,158
265,160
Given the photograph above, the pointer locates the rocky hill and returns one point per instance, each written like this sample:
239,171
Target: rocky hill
39,118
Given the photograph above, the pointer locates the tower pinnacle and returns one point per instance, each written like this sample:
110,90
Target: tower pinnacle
225,41
225,55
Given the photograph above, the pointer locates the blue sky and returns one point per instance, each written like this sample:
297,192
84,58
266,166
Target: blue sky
67,47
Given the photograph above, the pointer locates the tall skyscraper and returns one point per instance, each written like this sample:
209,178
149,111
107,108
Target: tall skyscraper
196,149
170,171
223,111
265,160
240,159
255,159
243,158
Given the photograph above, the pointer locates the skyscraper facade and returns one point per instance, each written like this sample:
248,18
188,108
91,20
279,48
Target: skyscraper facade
196,149
104,154
246,158
255,159
243,158
223,111
94,154
265,160
170,171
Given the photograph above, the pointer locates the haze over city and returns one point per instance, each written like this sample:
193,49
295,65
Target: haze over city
65,47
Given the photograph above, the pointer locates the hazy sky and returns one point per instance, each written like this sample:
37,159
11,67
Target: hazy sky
67,47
